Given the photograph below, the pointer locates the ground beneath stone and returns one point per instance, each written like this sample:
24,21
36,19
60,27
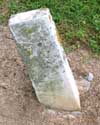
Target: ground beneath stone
18,103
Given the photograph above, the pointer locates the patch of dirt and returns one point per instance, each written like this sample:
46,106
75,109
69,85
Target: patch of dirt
18,103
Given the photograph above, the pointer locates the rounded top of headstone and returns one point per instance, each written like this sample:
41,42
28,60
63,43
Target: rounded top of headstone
29,15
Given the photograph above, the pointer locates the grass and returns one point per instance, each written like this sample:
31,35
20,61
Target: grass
78,21
4,12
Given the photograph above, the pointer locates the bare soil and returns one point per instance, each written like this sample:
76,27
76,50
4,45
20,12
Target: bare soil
18,103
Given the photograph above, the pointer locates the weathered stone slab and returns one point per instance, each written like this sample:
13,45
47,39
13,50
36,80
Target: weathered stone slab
38,44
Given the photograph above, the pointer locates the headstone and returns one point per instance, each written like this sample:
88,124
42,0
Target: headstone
39,46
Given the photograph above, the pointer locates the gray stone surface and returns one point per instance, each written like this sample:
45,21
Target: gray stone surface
38,44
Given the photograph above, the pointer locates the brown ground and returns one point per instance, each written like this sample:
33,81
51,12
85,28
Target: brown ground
18,103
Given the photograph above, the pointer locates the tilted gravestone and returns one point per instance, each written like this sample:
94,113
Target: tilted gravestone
38,44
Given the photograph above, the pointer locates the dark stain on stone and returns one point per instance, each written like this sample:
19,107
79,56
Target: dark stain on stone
39,44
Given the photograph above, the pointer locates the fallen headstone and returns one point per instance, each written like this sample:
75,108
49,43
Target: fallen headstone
39,46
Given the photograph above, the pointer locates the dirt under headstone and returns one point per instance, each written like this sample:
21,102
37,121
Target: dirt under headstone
18,103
